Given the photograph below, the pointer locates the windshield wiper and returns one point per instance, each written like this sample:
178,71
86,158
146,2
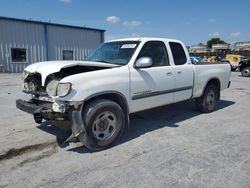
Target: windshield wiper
98,60
104,61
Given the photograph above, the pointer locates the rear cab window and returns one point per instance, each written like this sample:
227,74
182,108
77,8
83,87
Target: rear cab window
178,52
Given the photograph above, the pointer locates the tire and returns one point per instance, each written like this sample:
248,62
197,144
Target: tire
104,122
207,102
245,72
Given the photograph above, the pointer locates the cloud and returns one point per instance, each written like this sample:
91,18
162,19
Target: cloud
131,24
66,1
112,19
111,37
215,34
235,34
135,35
211,20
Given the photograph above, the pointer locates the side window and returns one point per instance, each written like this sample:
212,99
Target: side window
157,51
68,55
178,53
18,55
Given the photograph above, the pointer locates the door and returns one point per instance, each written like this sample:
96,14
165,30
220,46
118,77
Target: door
152,86
183,71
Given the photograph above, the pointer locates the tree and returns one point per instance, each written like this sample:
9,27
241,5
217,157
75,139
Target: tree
215,41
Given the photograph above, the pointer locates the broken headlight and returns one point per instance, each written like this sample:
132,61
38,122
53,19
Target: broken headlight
63,89
29,87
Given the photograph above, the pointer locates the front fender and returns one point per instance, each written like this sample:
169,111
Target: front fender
87,85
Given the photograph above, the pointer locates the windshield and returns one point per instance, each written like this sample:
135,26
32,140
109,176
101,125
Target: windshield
118,53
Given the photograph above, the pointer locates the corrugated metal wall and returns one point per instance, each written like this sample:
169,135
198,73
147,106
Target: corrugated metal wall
33,37
14,34
80,41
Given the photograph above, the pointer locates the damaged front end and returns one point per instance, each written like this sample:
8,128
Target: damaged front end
60,113
44,106
43,110
43,82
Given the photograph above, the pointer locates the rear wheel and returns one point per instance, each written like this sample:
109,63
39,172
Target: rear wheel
207,102
104,121
246,72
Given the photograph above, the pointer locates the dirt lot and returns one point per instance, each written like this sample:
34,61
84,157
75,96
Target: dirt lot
172,146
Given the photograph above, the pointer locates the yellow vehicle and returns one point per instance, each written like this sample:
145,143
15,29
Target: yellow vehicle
212,59
234,60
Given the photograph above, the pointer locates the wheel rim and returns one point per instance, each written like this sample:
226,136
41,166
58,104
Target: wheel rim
211,97
246,72
104,126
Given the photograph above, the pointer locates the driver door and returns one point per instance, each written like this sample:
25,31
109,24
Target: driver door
152,86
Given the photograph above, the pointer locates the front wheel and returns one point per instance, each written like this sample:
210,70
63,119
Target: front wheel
207,102
104,121
246,72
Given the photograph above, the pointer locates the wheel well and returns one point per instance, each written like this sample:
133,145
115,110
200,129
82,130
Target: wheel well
216,82
119,99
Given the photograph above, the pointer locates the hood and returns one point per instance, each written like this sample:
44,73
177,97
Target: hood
48,67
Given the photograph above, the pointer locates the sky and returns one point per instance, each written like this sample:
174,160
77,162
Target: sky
192,21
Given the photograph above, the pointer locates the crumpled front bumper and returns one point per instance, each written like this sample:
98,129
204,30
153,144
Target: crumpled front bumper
40,110
43,110
27,106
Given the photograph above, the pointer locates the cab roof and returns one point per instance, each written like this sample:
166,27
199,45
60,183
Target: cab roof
144,39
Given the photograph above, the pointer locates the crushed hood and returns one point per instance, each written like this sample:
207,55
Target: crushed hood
48,67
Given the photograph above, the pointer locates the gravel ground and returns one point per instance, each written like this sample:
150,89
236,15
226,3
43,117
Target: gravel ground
171,146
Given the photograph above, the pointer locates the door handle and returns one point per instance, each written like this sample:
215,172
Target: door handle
179,72
169,73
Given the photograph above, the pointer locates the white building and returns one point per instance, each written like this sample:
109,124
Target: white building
23,42
216,47
242,46
200,48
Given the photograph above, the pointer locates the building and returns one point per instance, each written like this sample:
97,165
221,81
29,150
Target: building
220,50
200,48
242,46
220,47
23,42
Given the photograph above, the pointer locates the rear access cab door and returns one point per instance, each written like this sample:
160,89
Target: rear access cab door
183,71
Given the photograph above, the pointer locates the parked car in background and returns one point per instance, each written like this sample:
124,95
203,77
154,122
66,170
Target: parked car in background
195,59
244,67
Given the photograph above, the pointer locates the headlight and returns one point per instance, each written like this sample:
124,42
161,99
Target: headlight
51,88
29,87
25,74
63,89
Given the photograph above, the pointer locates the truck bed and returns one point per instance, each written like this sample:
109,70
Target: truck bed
209,63
204,71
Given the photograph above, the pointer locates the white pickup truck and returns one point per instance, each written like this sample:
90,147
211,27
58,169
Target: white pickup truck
96,96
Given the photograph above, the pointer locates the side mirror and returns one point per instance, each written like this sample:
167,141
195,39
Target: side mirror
144,62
